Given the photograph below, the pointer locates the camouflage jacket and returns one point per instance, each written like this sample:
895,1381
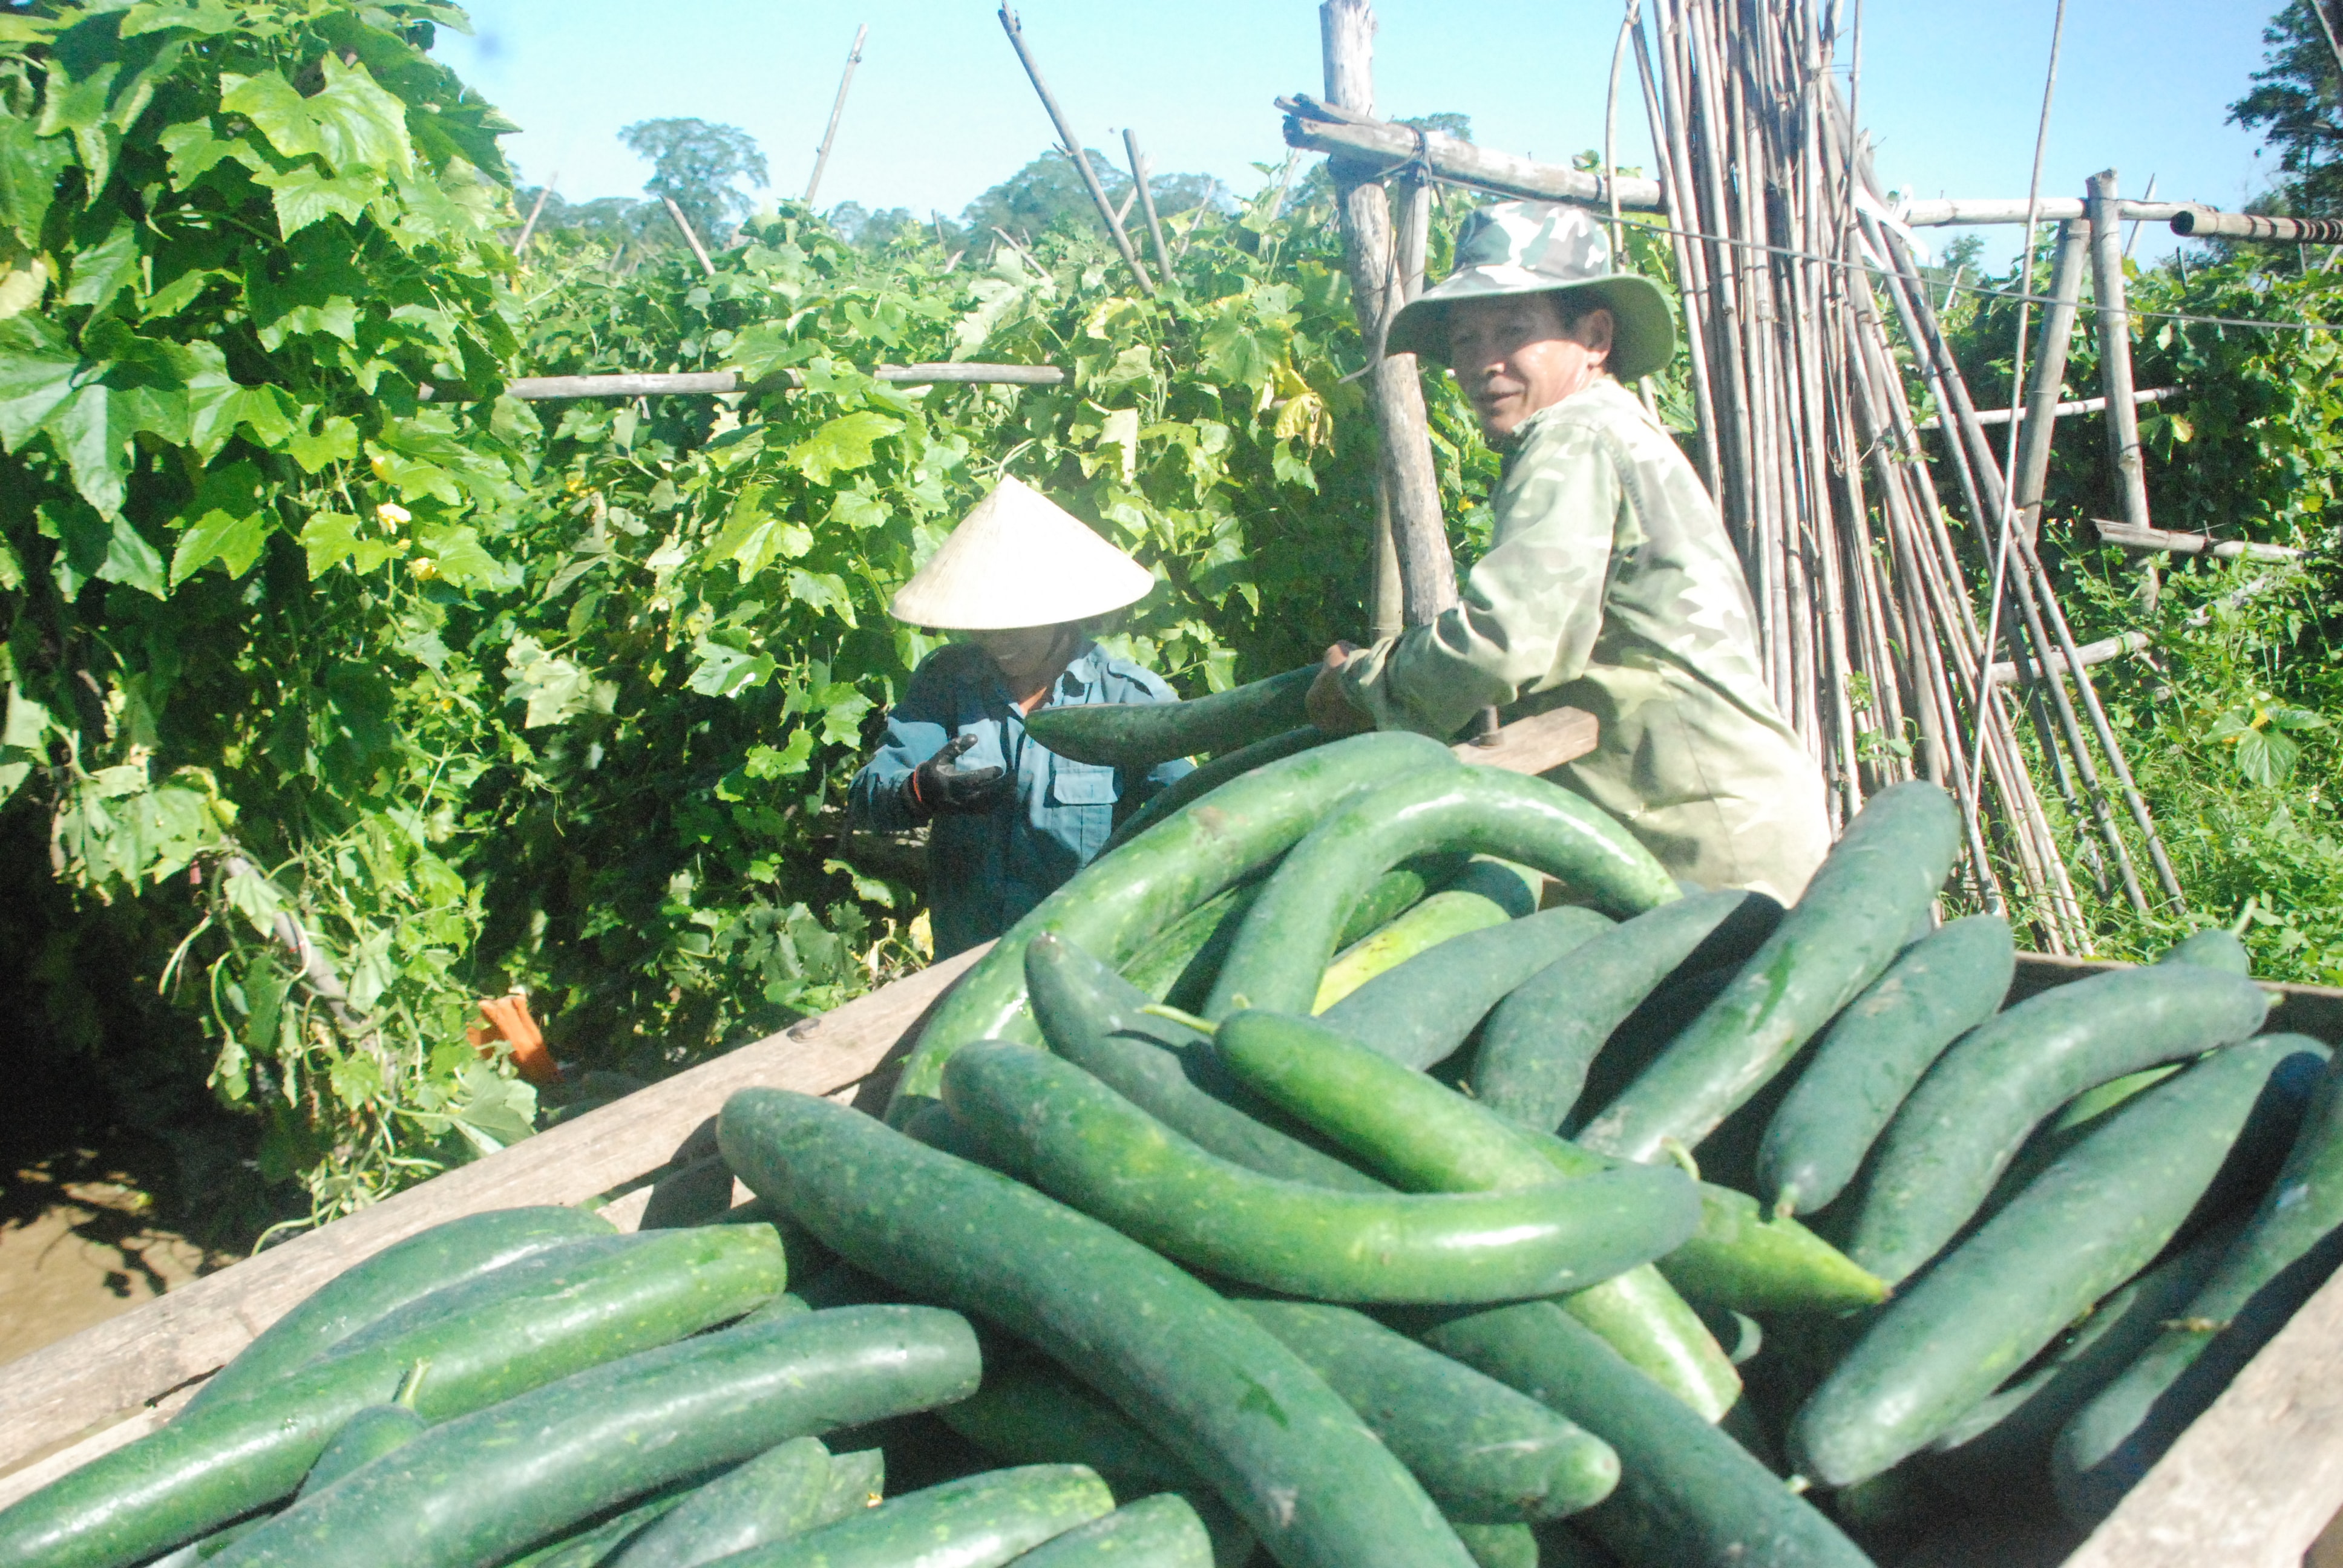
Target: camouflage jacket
1610,585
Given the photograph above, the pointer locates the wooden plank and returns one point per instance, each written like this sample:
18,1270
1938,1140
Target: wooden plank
1537,744
2257,1478
39,1472
92,1378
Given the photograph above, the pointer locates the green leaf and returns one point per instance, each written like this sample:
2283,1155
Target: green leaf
842,446
554,688
256,898
2267,757
841,716
131,560
233,521
93,429
36,376
764,762
463,562
30,165
194,151
824,590
102,270
1234,355
493,1111
211,17
351,124
724,670
333,537
77,106
232,538
304,196
337,441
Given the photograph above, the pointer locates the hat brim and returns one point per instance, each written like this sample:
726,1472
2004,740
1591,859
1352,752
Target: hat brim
1643,328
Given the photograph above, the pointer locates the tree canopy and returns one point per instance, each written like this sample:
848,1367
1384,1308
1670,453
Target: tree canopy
2297,105
699,166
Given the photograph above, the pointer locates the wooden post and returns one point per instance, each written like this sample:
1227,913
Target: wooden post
690,239
1411,226
821,158
1074,144
1420,538
2114,350
2041,411
1140,176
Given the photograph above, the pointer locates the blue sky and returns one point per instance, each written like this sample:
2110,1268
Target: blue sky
941,109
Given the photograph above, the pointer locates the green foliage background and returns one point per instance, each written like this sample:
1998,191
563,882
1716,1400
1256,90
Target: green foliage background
2230,719
341,692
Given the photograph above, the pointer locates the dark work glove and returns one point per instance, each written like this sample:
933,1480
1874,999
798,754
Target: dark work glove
938,788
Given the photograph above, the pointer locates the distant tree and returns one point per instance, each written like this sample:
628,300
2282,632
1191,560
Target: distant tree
1047,193
1961,255
1446,123
873,231
2297,105
699,166
1180,193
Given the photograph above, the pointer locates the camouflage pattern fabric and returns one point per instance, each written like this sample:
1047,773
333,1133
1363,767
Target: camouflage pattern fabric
1610,585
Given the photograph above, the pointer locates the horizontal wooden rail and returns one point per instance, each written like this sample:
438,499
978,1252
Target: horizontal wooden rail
2204,223
1380,147
2158,539
2089,654
2080,405
1964,210
715,383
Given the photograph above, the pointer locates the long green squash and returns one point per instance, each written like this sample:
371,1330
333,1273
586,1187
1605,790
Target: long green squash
478,1489
1114,905
1874,886
589,1302
1087,1146
1288,935
1142,734
1214,1387
370,1290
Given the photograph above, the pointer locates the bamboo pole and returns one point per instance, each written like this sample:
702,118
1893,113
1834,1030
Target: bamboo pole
1073,145
2114,351
1140,179
536,211
2203,223
837,109
2031,471
1411,483
690,239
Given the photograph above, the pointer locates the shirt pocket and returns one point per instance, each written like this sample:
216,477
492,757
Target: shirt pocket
1083,784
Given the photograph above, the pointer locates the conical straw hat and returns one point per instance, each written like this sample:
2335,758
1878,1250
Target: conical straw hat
1019,559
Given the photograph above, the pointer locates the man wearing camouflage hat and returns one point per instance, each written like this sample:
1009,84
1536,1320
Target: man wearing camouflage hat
1609,584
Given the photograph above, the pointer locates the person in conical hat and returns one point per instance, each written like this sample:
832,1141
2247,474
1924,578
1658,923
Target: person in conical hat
1009,820
1609,584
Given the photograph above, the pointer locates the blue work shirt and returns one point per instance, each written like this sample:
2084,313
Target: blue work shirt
985,872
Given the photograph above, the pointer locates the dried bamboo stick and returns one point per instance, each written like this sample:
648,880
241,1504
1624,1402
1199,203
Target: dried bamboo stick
1073,145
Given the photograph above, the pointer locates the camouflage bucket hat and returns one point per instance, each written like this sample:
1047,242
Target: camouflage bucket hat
1540,248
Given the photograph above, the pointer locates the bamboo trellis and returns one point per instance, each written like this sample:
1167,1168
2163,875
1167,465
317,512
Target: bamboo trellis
1861,581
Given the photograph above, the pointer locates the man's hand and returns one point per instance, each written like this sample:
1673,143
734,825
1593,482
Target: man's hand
1329,705
938,788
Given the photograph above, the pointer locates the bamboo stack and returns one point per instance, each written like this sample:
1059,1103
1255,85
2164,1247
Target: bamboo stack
1864,586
